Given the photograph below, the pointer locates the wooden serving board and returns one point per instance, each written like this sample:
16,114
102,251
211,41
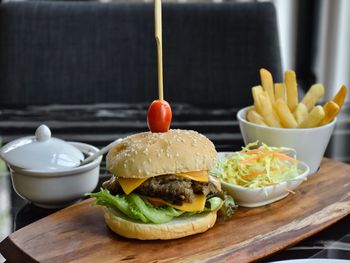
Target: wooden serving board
78,233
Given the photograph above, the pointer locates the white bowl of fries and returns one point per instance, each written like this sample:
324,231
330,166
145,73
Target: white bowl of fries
309,143
278,118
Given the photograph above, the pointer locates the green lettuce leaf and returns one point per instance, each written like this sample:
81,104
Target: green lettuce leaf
119,202
154,214
228,208
135,207
213,204
139,208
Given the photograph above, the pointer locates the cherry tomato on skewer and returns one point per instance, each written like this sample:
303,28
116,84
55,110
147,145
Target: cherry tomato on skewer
159,116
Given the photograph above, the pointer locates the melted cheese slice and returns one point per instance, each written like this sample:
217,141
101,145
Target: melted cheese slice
197,205
130,184
199,176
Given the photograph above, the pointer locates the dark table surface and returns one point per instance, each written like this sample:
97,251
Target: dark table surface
103,123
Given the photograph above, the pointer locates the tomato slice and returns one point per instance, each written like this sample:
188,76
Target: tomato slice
155,202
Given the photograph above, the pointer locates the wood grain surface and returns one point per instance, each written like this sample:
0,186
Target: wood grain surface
78,233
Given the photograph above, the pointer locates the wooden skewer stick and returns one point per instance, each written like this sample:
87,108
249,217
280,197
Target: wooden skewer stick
158,35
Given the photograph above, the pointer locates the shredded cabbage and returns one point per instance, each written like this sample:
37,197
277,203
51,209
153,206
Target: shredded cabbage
258,167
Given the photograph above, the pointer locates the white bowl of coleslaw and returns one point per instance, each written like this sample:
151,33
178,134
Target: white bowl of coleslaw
261,191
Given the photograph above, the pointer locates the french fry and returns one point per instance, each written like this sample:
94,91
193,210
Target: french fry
255,117
269,115
267,83
286,117
331,110
339,98
313,95
300,113
280,91
277,104
314,118
256,91
292,89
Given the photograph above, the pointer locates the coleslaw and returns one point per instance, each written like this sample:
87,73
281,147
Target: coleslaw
258,167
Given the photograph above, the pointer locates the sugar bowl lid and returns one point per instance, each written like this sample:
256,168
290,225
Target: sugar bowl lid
41,152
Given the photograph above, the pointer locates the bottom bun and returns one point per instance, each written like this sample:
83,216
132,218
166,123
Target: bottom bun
176,228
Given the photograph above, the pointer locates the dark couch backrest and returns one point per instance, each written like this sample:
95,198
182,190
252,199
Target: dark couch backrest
89,52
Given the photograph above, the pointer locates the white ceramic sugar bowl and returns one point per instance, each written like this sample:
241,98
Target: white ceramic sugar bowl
47,171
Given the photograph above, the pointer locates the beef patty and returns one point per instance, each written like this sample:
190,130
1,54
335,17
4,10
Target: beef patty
171,188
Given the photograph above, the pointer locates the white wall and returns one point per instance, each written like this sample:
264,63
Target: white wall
333,60
286,17
332,65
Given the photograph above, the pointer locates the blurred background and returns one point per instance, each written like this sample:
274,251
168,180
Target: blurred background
314,38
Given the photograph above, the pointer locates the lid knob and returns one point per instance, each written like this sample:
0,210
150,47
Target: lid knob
42,133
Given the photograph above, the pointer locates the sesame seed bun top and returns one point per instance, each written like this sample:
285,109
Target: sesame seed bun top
148,154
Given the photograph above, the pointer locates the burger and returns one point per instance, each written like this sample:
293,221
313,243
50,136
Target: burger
160,186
